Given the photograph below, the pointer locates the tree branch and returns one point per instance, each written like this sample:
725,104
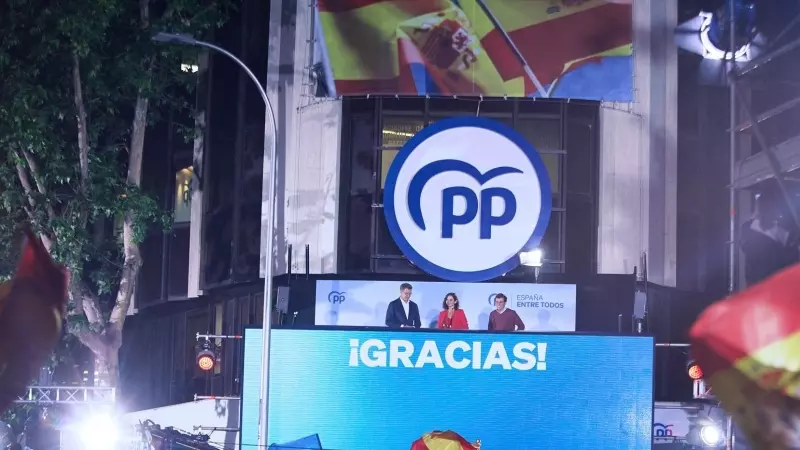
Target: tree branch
37,178
83,127
133,258
26,186
92,340
28,189
84,299
86,302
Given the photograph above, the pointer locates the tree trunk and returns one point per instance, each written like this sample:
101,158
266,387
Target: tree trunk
106,351
106,344
107,367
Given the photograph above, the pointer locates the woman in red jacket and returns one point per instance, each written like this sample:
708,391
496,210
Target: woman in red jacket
452,316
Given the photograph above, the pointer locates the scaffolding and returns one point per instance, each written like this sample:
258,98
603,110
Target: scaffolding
774,160
68,395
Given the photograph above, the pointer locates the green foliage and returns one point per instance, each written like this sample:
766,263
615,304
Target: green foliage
38,120
16,416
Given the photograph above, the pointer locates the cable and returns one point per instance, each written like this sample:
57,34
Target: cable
477,99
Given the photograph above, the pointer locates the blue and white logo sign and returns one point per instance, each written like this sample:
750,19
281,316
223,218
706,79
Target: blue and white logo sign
465,196
336,297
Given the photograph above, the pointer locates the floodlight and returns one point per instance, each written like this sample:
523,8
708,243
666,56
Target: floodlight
533,258
99,432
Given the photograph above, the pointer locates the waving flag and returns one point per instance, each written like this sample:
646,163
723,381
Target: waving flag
749,348
443,440
551,37
440,55
468,47
32,307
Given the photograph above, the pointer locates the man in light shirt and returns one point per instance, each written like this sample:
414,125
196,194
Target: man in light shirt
402,312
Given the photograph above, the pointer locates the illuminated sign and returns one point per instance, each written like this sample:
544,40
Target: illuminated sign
348,388
541,307
465,196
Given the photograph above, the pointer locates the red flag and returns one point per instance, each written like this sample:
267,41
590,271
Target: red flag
32,307
749,349
444,440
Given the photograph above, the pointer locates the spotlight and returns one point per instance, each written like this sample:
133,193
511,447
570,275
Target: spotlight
705,433
708,35
532,258
99,433
206,357
711,435
694,370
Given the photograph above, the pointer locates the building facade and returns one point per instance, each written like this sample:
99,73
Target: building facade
614,169
613,165
201,276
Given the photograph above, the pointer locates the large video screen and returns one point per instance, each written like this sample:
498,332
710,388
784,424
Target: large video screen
353,389
541,307
523,48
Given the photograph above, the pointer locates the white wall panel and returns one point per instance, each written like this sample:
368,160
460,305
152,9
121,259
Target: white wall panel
638,159
308,141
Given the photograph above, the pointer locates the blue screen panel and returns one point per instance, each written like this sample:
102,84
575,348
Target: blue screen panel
355,388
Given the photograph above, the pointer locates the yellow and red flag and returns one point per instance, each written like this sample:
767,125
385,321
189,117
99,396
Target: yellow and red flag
443,440
32,307
467,47
749,349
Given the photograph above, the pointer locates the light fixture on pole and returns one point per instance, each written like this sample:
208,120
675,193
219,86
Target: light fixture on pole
696,374
207,356
184,39
533,258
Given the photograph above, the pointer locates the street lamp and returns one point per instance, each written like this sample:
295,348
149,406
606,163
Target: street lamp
184,39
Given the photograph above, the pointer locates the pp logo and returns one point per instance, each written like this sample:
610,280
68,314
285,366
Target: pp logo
660,430
491,299
465,196
336,297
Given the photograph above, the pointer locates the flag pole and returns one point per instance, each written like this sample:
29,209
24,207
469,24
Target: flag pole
528,71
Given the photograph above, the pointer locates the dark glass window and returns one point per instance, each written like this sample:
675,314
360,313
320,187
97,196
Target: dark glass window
220,174
178,262
148,291
250,181
182,204
360,193
581,225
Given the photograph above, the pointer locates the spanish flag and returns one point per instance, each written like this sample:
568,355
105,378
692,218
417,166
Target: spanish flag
749,349
466,47
32,307
443,440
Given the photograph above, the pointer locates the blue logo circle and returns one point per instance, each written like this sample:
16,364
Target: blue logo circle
443,196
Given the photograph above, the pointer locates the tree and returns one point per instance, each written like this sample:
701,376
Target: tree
82,82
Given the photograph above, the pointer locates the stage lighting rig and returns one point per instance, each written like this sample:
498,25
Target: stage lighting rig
694,371
709,35
208,355
705,433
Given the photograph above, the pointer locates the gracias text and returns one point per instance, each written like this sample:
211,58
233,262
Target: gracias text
456,355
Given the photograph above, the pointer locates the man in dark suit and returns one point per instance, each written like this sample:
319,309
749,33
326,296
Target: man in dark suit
402,312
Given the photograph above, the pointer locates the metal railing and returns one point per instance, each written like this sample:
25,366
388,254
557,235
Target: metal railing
50,395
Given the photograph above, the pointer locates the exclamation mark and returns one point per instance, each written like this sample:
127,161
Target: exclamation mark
541,352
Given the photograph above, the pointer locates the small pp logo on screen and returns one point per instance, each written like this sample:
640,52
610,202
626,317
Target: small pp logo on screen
491,298
465,196
336,297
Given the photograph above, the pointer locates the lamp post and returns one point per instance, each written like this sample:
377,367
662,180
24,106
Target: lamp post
183,39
